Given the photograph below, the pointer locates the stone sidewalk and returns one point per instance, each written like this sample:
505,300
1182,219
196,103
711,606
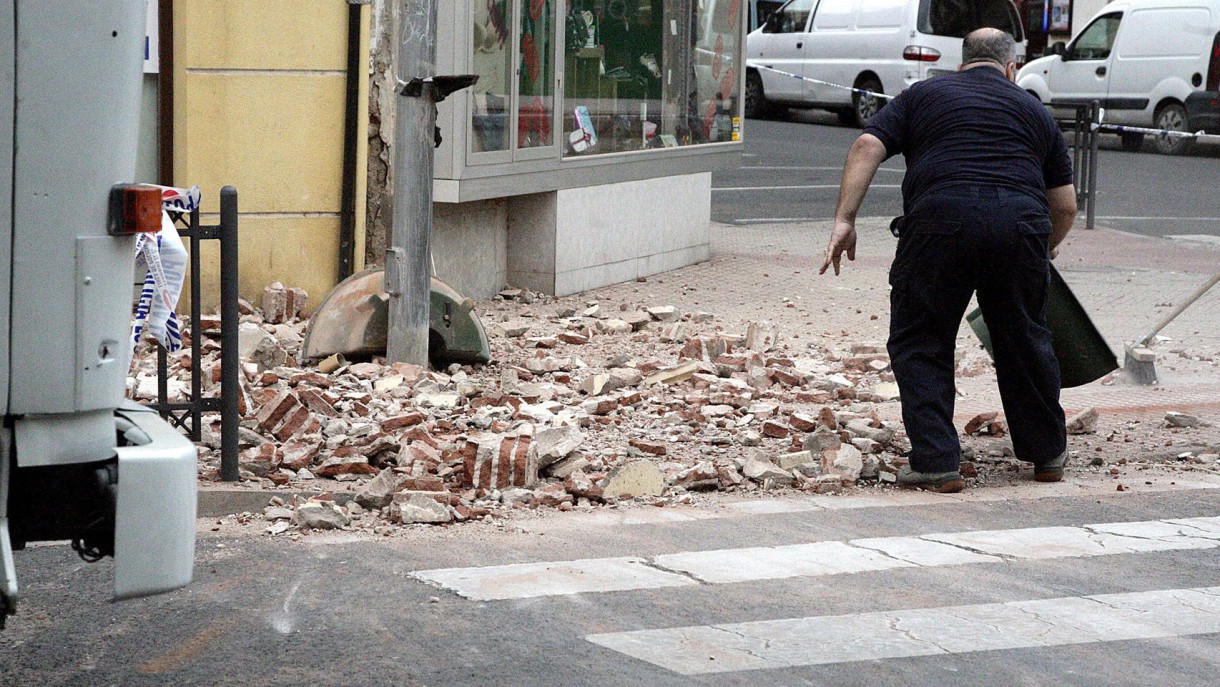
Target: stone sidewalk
1126,282
769,272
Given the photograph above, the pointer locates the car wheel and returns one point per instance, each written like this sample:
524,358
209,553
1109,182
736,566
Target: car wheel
1172,117
1132,143
757,106
863,106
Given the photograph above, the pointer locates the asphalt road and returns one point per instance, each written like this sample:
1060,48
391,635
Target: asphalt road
347,609
792,168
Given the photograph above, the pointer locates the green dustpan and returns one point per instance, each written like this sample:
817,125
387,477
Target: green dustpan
1084,356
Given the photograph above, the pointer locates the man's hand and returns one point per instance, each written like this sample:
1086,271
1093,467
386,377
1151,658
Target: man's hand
865,156
842,239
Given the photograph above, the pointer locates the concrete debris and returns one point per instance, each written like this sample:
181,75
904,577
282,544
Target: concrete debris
702,475
985,424
673,375
1084,422
760,469
847,462
613,326
1176,419
512,330
584,404
420,507
638,478
555,443
321,515
282,304
663,313
380,491
761,336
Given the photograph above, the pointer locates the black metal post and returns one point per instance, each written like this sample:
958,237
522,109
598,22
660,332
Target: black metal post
196,429
1094,129
230,391
347,210
1077,146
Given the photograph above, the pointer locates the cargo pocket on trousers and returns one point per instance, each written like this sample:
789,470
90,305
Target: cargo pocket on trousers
1036,235
923,246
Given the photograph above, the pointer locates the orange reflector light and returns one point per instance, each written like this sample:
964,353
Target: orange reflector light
134,209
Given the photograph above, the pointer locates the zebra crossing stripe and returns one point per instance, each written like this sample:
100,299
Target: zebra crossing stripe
894,634
526,580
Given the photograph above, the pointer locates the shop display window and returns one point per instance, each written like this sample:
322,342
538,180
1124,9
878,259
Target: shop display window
635,74
514,53
492,61
642,74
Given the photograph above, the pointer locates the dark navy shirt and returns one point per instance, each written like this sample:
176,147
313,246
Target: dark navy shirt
975,128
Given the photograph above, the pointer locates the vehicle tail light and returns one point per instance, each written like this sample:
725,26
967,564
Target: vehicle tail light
134,209
918,53
1213,68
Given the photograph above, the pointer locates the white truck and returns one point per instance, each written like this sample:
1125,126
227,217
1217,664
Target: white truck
77,461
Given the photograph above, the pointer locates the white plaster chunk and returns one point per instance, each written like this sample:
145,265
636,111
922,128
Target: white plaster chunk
525,580
923,552
763,563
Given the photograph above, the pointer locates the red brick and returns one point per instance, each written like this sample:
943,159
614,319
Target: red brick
310,379
774,429
655,448
499,461
401,421
802,422
295,422
315,401
271,414
424,483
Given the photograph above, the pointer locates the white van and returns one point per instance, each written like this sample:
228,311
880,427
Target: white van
1140,59
882,46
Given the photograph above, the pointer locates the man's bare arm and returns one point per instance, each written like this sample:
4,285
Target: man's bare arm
1062,201
865,156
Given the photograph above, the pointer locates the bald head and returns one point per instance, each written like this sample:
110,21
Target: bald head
989,46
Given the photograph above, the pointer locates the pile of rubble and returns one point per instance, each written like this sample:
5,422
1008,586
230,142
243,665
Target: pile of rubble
583,404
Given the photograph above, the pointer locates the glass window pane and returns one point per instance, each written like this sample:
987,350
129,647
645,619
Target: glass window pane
793,17
643,74
537,74
956,18
1095,42
492,61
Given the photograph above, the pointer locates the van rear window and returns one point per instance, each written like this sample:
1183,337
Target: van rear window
956,18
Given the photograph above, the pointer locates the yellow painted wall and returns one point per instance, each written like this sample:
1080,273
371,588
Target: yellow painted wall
259,105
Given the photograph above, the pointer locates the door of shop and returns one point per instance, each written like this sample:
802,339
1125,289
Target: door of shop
515,54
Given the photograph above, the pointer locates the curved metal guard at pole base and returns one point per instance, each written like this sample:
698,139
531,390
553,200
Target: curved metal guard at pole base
353,320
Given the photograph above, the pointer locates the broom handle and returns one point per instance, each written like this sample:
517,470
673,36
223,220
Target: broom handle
1178,310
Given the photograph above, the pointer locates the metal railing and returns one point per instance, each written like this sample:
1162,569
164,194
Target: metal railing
1085,135
187,415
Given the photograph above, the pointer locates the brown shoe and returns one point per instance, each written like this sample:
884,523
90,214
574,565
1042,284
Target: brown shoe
939,482
1051,470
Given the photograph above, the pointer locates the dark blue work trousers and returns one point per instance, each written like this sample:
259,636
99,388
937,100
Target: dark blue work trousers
955,243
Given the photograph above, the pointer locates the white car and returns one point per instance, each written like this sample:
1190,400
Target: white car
881,46
1140,59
